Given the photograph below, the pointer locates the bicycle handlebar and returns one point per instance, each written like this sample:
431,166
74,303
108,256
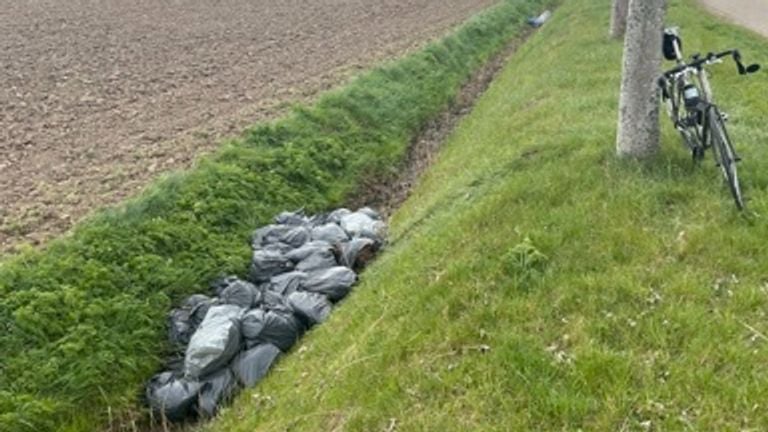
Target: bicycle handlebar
711,57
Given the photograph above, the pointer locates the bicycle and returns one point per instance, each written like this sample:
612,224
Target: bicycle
688,97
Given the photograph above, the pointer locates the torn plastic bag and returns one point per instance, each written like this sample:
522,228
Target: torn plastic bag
312,308
331,233
216,389
268,262
215,343
362,225
335,282
277,327
287,283
292,218
252,365
171,396
356,253
241,293
292,236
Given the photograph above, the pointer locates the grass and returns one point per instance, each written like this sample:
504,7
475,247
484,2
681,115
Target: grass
82,322
535,282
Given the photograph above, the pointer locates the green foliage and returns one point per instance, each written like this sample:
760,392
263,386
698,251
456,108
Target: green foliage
653,309
525,263
81,322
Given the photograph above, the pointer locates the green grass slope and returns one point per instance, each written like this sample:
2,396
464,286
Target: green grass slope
82,322
534,282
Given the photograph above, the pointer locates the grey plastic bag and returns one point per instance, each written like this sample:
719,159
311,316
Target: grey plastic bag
331,233
371,213
320,259
183,322
216,389
171,396
361,225
252,365
336,215
274,301
241,293
287,283
179,327
312,308
280,328
357,253
198,306
215,343
293,236
292,218
268,262
335,282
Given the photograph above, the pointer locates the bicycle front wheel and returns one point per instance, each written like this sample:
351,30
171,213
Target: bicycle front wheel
725,156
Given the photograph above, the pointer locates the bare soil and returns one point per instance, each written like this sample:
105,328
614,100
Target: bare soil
99,97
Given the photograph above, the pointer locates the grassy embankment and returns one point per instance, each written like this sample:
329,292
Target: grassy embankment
535,282
83,320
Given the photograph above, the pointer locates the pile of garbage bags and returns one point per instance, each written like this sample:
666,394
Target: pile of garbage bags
301,267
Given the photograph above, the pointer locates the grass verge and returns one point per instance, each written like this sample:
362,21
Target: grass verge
535,282
82,321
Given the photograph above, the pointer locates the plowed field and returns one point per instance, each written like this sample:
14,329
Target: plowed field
98,97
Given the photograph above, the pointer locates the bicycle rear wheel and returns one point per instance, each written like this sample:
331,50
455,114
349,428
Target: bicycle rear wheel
725,156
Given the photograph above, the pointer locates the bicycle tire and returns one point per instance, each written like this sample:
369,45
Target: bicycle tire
725,156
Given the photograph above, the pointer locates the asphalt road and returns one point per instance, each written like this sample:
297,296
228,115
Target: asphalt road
752,14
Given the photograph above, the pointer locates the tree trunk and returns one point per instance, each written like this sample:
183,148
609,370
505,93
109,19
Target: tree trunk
638,130
619,18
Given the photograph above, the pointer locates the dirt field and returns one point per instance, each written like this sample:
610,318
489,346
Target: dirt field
98,97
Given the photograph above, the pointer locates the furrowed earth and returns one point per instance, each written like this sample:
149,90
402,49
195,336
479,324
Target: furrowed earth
99,98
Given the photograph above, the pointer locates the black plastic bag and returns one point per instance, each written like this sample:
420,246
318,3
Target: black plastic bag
311,308
252,365
335,282
215,343
280,328
171,396
216,389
